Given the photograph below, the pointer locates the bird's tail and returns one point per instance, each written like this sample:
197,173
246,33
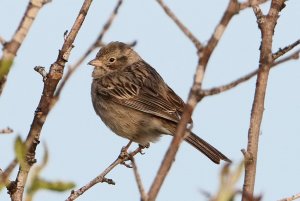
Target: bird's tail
211,152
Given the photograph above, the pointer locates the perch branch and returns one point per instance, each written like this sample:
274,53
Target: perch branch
123,156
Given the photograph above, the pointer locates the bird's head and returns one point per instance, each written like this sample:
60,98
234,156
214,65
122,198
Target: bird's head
112,57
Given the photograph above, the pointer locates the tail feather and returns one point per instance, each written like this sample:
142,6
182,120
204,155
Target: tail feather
211,152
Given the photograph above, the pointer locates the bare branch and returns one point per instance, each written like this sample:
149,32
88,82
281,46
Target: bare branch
251,3
7,130
123,156
258,13
226,87
266,25
232,9
11,47
138,179
3,182
294,197
99,179
286,49
41,70
182,27
4,174
193,99
50,84
293,56
98,42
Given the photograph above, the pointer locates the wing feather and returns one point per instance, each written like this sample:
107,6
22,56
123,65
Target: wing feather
140,87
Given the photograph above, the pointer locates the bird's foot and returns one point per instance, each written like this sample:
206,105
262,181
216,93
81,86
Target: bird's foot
141,147
124,152
125,156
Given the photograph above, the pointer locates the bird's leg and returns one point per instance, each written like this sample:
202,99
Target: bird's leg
125,148
124,154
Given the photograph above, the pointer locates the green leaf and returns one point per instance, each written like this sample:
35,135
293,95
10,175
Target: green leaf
1,186
228,180
41,184
37,183
5,66
20,151
56,186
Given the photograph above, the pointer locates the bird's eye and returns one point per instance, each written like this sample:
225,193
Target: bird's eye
112,59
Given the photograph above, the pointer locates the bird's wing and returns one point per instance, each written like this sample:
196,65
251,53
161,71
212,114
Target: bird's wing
140,87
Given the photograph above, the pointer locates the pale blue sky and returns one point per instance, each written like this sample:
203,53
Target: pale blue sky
81,146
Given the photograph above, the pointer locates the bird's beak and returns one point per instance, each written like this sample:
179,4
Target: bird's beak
95,62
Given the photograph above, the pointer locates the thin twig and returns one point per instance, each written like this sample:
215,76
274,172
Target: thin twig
123,156
4,181
41,70
258,13
7,172
232,9
138,179
11,47
7,130
99,179
226,87
294,197
293,56
286,49
98,42
199,46
250,3
182,27
53,77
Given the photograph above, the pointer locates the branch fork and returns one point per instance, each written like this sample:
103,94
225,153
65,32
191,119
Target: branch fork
41,70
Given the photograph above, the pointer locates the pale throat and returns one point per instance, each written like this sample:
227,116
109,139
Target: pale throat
99,72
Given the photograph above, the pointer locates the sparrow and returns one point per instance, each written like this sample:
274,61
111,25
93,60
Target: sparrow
133,100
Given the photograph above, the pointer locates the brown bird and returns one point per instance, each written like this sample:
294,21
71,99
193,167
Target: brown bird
133,100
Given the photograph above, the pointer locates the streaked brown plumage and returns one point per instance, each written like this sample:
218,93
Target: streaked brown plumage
132,99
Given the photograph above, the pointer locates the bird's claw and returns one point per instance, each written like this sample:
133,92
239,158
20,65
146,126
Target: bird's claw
141,147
